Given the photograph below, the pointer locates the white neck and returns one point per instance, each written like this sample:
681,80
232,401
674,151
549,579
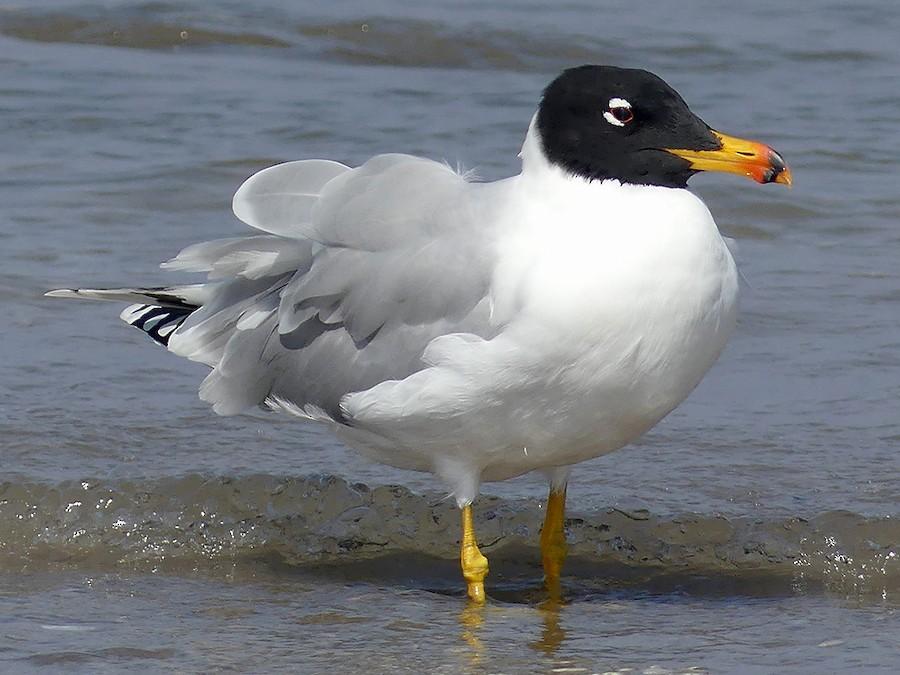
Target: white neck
537,169
534,161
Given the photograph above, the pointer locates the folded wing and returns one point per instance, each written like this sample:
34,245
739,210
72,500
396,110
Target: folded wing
359,270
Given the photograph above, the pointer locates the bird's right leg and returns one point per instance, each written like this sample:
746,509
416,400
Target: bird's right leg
553,539
474,564
553,533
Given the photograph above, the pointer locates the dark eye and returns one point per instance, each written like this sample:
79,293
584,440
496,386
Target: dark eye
618,112
623,114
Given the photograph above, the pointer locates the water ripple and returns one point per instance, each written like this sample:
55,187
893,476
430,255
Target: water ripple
198,522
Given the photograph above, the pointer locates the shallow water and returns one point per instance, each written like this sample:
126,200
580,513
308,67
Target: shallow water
754,530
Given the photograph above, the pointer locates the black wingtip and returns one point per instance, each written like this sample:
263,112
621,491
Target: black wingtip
157,322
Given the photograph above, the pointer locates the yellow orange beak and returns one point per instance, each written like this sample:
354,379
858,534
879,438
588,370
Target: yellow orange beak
745,158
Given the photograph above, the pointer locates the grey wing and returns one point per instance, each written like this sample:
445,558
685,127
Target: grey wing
361,270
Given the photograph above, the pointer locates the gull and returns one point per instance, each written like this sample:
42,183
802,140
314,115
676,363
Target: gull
476,330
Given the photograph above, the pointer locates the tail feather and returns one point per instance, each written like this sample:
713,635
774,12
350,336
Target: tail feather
183,297
158,311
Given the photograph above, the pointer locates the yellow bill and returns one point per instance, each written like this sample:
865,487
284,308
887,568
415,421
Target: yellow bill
737,155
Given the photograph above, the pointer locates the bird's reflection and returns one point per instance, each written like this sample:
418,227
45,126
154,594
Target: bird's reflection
553,634
549,609
470,620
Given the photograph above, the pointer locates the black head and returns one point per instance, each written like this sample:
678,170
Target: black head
602,122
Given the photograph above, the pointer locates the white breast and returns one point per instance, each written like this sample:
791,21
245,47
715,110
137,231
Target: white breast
624,296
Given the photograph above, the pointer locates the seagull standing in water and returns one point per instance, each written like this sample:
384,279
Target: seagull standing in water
476,330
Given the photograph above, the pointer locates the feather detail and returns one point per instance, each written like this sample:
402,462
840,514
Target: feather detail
157,322
280,199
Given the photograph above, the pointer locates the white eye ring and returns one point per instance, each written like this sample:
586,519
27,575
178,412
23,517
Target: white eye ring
612,105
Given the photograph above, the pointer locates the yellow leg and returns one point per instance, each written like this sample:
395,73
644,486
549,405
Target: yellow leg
474,565
553,539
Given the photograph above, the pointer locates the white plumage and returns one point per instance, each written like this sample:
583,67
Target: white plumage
475,330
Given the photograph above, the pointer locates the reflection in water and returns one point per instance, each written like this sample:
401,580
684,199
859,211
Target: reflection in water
553,634
471,620
472,624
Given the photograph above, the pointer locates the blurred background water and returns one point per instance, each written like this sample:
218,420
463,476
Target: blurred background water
755,529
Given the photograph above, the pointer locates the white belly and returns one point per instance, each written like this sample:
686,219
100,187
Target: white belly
601,385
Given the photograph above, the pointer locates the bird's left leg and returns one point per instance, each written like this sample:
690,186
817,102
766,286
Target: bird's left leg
553,533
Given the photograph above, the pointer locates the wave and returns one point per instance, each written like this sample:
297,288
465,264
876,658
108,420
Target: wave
366,41
118,28
200,522
431,44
